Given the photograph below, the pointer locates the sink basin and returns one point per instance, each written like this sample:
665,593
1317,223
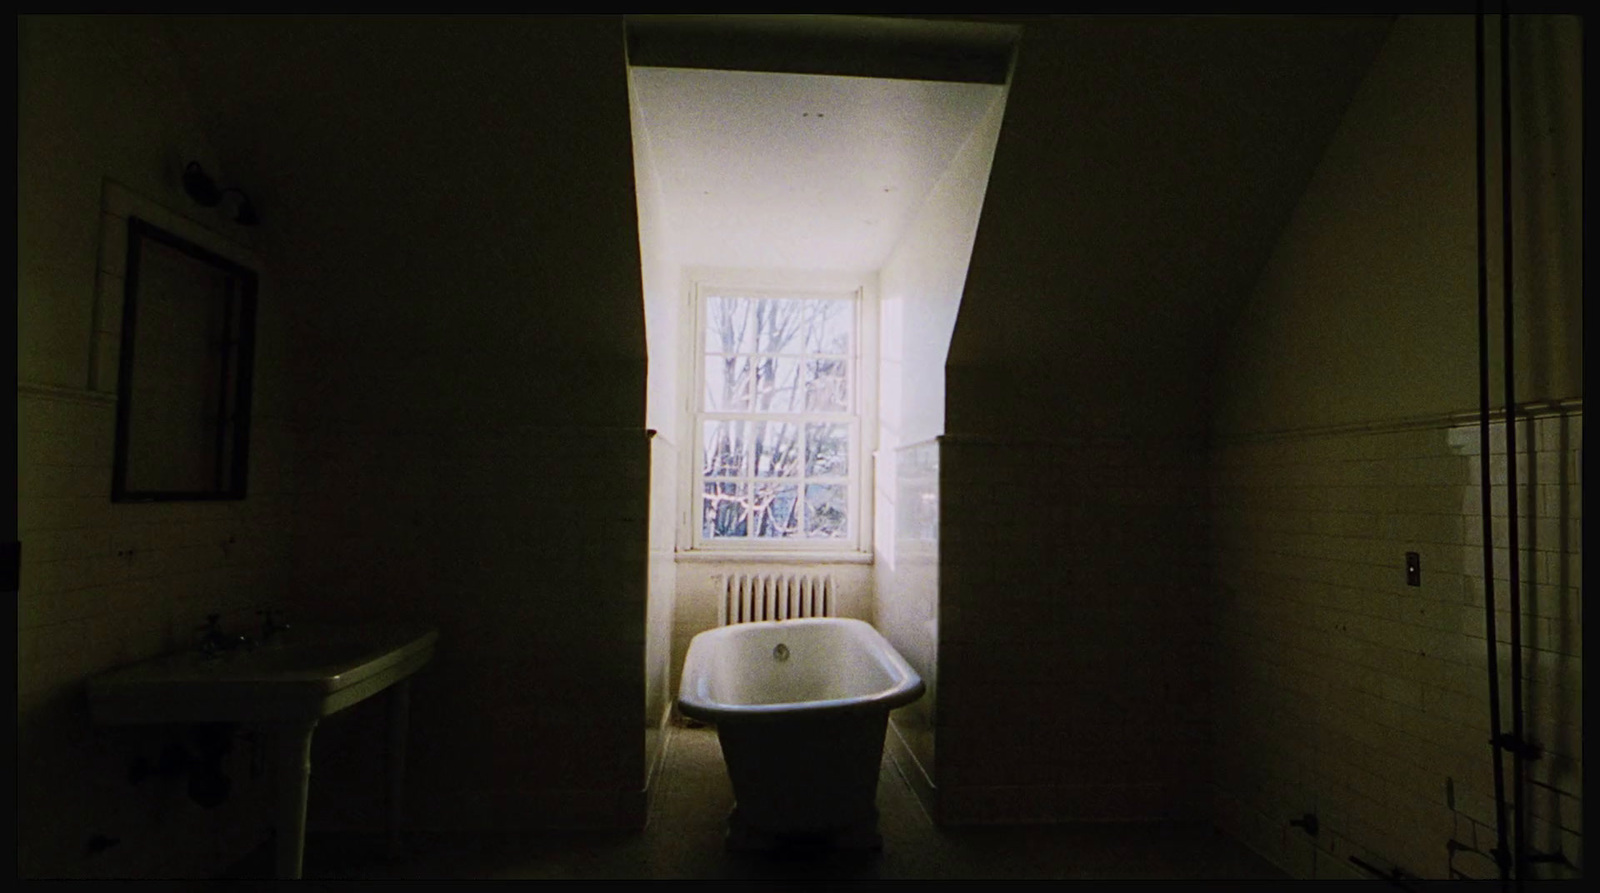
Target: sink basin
286,686
303,674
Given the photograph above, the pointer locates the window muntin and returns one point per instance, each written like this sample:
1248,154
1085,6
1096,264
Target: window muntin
778,419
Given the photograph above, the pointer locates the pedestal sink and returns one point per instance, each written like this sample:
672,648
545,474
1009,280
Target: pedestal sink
286,685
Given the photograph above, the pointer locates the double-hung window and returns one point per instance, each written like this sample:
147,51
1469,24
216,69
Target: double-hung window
779,415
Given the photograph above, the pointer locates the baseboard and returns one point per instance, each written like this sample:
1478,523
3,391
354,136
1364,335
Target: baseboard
652,782
917,776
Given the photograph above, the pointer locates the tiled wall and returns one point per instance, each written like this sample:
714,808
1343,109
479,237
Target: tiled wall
527,548
1072,631
104,585
661,597
1343,692
906,598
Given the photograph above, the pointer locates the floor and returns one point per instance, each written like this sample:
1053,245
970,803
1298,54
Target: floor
685,839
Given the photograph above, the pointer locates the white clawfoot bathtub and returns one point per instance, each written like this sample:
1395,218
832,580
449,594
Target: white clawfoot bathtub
800,708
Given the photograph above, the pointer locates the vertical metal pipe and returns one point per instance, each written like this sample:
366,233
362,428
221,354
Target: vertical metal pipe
1483,466
1508,340
293,741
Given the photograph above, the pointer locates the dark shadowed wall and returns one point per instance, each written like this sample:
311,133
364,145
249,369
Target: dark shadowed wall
1144,168
452,209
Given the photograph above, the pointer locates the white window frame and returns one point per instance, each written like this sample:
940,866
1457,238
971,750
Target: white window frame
862,387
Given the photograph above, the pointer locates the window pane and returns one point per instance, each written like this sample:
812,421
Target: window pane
827,450
826,510
827,386
775,511
729,328
725,510
728,384
828,325
725,445
776,448
781,324
778,385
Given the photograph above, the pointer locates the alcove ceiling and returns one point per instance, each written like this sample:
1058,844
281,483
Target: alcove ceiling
797,171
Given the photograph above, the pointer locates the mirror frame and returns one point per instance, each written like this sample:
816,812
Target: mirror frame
244,294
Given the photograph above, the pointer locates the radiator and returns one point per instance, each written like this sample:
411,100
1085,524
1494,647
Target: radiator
751,597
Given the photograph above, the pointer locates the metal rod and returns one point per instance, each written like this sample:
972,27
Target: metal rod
1483,464
1508,340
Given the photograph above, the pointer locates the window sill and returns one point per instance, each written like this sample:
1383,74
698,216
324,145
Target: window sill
774,557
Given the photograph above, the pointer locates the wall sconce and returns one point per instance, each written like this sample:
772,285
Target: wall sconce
204,191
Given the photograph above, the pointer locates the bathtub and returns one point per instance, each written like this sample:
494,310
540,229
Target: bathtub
800,707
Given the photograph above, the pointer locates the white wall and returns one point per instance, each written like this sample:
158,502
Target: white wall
660,271
920,289
663,320
921,285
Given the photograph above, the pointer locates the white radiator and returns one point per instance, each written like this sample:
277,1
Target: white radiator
751,597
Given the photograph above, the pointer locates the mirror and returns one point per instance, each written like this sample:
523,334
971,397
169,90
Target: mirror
183,390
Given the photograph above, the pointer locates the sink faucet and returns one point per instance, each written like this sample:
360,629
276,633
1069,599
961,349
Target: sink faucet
269,627
213,641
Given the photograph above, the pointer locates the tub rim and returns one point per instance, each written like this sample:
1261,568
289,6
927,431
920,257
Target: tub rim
907,688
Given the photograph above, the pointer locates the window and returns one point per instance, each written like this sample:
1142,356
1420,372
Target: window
778,412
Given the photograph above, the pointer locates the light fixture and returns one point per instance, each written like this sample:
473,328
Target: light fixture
200,187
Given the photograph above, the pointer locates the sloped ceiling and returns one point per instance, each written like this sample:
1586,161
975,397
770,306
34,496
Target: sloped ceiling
1145,168
768,170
